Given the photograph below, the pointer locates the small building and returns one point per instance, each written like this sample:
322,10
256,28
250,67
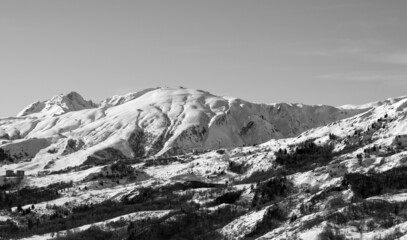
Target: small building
10,173
43,173
11,177
20,173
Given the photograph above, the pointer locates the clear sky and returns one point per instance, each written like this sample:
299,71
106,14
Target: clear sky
308,51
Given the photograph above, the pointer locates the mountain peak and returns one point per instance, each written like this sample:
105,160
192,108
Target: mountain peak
118,100
58,105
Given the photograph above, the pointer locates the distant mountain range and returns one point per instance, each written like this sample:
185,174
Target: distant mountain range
154,121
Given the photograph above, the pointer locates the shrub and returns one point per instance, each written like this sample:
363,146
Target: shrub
29,195
336,202
93,233
332,136
381,213
220,151
272,219
52,151
308,155
372,184
267,191
238,168
194,225
329,234
259,176
229,197
4,155
8,227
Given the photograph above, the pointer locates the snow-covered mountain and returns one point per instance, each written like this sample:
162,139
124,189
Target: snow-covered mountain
154,121
58,105
175,163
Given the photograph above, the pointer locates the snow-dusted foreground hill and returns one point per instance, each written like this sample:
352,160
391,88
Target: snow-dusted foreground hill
184,164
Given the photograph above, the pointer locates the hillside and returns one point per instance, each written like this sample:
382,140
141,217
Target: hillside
174,163
67,130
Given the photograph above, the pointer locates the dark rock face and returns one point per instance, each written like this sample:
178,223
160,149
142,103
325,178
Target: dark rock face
137,142
105,156
192,137
73,145
247,128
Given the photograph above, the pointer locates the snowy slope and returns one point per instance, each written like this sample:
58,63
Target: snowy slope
151,122
163,121
380,124
58,105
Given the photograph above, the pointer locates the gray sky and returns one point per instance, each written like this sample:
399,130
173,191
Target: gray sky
308,51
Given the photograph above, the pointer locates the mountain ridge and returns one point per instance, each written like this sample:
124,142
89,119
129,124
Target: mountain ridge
159,121
58,105
185,162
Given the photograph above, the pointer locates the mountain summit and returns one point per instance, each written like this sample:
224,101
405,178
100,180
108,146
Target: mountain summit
157,121
58,105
